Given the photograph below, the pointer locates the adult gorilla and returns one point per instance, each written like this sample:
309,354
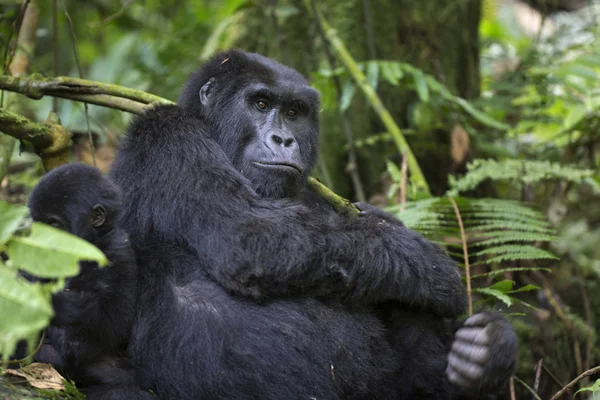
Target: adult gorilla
248,294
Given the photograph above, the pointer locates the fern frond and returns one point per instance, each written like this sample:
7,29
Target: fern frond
497,232
521,171
501,271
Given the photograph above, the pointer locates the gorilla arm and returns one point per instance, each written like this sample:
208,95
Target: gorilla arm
178,183
483,355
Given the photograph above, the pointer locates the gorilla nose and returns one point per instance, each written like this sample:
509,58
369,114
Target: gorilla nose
283,140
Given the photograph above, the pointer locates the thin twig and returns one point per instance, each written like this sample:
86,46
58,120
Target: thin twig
116,15
590,323
526,386
538,374
55,50
551,375
15,26
463,238
75,46
564,390
512,389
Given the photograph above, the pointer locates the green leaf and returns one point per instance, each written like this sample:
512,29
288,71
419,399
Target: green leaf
373,74
391,72
526,288
421,86
51,253
24,307
10,219
503,270
347,94
594,388
574,117
495,293
480,116
503,286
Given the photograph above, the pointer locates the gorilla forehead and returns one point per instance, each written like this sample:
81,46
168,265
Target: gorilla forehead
235,70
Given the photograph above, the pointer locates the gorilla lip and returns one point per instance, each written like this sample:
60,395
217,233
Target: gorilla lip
279,165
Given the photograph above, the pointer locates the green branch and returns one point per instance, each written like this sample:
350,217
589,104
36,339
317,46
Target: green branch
340,204
103,94
373,98
50,140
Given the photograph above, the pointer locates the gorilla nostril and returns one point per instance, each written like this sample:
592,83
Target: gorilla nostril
288,142
277,139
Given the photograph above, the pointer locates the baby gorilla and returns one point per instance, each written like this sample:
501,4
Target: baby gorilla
94,314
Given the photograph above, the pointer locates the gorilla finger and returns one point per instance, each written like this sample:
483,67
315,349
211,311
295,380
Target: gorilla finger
473,335
480,319
457,378
471,352
467,369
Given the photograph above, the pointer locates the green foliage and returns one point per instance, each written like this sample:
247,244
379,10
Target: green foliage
498,233
432,94
594,388
44,252
519,171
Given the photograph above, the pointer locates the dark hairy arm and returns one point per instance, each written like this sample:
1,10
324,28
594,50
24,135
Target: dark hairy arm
177,183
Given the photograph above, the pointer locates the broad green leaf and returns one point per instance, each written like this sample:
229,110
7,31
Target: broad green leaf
51,253
10,219
24,307
503,286
495,293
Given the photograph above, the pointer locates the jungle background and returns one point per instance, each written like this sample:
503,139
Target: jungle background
475,121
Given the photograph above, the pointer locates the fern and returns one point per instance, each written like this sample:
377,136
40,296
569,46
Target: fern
521,171
498,233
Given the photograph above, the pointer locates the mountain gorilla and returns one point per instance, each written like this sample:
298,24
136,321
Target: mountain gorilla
246,292
94,314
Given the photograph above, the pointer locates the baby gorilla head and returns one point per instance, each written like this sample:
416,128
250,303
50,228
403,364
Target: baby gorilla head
76,198
263,115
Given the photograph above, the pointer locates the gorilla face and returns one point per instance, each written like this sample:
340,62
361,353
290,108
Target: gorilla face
263,115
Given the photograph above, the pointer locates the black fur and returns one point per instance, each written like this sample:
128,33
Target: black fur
94,314
246,294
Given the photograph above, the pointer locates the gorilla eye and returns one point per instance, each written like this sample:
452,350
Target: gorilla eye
261,105
291,112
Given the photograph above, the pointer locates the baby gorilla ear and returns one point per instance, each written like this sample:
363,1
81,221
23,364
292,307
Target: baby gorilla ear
205,91
98,217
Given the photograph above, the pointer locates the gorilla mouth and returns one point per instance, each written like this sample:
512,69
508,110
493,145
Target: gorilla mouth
282,165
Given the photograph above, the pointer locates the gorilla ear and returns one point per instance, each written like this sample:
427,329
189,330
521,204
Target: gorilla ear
205,91
98,216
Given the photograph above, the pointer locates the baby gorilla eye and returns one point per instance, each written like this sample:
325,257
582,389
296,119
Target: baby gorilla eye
291,112
261,105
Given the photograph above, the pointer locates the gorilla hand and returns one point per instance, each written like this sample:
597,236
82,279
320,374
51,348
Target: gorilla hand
483,355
